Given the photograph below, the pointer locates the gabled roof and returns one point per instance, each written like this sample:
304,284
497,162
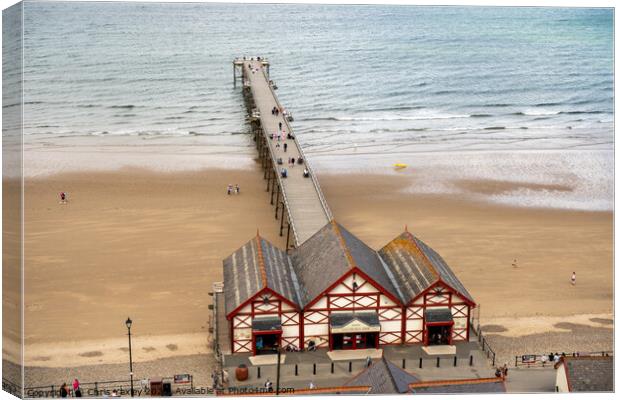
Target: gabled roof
417,266
480,385
255,266
331,253
383,377
589,373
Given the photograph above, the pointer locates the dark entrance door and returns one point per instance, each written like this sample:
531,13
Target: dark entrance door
354,341
266,343
438,335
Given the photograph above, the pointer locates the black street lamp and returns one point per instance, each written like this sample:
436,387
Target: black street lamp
128,324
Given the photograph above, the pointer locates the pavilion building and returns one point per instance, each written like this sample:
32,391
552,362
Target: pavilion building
335,292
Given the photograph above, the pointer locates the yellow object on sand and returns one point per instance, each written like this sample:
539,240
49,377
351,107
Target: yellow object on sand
400,166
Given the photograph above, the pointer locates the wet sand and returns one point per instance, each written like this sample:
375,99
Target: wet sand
149,245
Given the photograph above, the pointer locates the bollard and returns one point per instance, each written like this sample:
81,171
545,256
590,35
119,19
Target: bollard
471,360
437,362
296,370
420,362
258,372
404,364
516,360
332,368
350,366
314,369
455,361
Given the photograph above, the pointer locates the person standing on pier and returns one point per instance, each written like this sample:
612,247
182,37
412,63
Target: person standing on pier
280,125
285,146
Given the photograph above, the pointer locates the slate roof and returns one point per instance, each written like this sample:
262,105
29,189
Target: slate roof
480,385
332,252
383,377
254,266
416,266
405,267
590,374
341,319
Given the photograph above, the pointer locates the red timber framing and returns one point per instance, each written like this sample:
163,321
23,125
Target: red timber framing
439,294
366,296
264,303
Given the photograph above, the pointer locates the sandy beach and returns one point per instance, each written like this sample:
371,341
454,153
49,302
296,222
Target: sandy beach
149,245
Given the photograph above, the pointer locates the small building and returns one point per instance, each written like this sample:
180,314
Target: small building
585,374
336,292
459,386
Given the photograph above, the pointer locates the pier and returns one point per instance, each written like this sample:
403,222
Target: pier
299,202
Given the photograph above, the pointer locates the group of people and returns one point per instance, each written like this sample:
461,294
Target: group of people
502,372
219,379
232,189
552,357
71,391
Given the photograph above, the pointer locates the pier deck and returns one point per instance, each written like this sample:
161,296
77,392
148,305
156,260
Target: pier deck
301,197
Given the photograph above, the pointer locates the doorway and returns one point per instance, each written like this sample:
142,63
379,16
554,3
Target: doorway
437,335
266,343
354,341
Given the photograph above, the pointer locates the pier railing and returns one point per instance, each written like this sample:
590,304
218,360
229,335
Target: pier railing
315,181
536,360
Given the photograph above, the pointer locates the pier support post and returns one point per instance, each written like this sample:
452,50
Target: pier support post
282,220
278,201
288,233
234,75
273,186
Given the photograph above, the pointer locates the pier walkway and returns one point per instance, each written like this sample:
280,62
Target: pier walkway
299,199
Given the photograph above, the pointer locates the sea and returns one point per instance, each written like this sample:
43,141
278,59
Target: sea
506,94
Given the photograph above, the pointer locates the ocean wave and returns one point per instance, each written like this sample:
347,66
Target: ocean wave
390,118
124,106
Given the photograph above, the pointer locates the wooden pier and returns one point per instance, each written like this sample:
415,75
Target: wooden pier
299,202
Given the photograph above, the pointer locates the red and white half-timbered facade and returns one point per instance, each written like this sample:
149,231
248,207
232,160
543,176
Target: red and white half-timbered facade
335,292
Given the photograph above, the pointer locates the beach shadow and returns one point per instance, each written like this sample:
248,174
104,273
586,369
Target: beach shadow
493,328
604,321
148,349
91,354
172,347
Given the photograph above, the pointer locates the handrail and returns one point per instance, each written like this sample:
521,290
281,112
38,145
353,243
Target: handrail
317,186
273,159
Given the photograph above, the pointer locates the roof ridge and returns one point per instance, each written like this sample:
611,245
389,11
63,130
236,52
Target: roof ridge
455,382
343,244
389,372
261,260
427,261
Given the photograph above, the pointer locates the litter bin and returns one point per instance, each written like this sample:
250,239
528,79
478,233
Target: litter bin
167,389
157,387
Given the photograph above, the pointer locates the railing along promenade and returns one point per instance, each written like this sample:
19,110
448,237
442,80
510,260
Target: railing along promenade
302,199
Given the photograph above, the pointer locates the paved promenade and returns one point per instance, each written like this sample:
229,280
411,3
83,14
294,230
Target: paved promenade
303,197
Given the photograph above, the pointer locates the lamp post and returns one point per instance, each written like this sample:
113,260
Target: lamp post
128,324
278,370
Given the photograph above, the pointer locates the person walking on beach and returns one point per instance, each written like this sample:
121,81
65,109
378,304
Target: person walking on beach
230,188
237,190
514,263
63,197
573,279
